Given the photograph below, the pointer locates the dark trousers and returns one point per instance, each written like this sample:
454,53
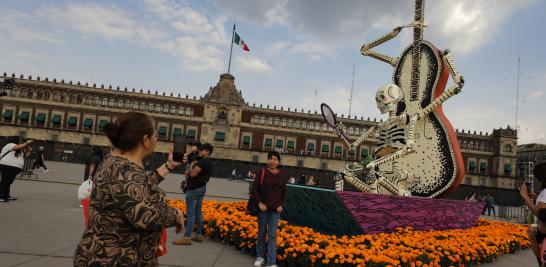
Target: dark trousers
8,176
489,209
38,164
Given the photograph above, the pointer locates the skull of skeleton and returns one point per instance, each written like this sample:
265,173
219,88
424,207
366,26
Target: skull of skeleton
387,97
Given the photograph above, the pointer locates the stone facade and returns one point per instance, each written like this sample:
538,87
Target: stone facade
74,113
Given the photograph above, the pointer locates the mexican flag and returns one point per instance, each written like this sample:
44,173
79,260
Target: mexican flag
237,39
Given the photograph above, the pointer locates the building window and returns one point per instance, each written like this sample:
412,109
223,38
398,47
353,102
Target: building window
269,121
468,180
311,147
351,130
300,162
268,142
181,111
338,150
325,148
72,121
104,102
283,122
481,181
363,153
23,116
46,95
40,118
162,132
173,110
297,124
351,153
471,165
507,148
39,95
112,102
276,122
7,115
290,123
246,140
191,133
324,127
189,112
290,145
56,120
102,123
304,125
279,144
29,94
220,136
79,99
483,167
507,169
72,99
177,131
157,108
88,123
86,140
151,107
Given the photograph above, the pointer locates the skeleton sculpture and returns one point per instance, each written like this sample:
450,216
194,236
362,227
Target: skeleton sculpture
418,153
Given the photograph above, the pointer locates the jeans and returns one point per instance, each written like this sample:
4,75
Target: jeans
268,220
489,209
194,204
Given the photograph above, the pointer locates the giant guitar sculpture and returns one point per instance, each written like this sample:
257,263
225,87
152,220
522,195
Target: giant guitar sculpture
426,160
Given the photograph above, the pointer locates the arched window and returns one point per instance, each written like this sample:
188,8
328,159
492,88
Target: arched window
181,110
507,148
189,111
173,109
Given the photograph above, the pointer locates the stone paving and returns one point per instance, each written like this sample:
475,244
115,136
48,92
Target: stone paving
43,227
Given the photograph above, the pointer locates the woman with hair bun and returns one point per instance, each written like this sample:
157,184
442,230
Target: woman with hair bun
127,209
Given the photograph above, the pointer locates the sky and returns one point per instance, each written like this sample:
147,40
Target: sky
297,49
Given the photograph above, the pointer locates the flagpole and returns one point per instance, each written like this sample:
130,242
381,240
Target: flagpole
231,49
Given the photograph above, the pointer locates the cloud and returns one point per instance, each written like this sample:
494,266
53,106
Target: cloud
20,29
312,50
252,63
462,26
179,30
531,132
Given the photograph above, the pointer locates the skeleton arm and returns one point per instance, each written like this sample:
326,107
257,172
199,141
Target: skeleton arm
453,90
366,48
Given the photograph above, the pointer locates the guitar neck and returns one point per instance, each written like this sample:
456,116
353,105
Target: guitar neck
416,53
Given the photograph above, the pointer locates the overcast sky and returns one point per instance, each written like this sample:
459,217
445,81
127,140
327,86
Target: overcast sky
297,47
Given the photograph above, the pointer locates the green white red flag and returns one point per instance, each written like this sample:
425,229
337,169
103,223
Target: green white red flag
237,39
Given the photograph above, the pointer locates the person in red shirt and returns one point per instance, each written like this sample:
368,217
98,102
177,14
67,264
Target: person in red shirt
270,192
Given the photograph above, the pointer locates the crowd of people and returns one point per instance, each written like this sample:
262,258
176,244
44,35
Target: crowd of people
487,198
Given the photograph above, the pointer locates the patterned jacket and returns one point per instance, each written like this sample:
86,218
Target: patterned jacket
127,212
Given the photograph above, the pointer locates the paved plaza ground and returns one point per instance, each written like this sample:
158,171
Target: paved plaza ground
43,227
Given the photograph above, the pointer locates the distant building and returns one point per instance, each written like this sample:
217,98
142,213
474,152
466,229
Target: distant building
528,156
70,116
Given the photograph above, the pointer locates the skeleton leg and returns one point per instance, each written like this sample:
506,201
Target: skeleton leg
349,174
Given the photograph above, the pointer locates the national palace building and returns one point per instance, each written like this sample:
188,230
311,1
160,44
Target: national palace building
69,116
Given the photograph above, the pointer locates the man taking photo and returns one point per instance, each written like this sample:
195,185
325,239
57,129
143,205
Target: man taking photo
196,186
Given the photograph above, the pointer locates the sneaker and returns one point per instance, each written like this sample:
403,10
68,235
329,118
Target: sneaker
80,206
46,171
197,239
274,265
259,262
182,241
5,200
12,198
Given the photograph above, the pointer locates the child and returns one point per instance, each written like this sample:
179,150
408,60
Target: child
538,248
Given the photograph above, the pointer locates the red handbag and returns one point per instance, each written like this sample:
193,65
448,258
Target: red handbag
162,249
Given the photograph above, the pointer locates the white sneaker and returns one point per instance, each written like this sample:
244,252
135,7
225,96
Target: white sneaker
81,206
274,265
259,262
46,171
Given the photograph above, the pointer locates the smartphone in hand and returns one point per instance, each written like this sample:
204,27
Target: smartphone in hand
179,148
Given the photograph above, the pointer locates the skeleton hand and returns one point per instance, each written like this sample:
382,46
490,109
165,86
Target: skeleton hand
410,144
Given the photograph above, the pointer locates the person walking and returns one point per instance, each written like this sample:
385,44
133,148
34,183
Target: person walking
12,161
490,203
196,186
128,210
93,163
270,192
40,159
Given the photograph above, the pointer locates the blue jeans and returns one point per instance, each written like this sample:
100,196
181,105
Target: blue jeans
194,203
268,220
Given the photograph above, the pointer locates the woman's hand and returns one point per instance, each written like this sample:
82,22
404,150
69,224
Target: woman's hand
172,164
523,192
262,206
279,209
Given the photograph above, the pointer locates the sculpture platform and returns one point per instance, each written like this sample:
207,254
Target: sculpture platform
352,213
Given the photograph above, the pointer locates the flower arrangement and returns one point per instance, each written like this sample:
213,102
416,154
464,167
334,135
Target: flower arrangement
302,246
